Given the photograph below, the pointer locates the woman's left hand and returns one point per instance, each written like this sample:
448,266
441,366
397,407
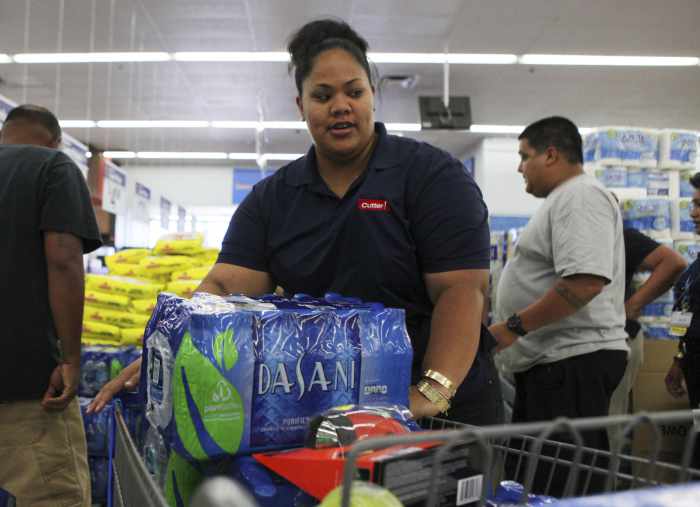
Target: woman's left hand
420,406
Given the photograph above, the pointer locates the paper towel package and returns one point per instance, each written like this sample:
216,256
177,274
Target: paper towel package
635,147
637,177
650,216
612,176
678,149
656,328
658,183
686,189
688,249
226,377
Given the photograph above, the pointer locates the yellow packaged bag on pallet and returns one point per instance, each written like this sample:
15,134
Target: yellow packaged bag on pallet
129,256
131,270
89,340
189,243
191,274
144,306
101,331
122,319
103,300
183,288
132,336
166,264
132,287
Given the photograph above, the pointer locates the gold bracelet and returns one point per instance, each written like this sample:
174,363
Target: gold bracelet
442,380
433,395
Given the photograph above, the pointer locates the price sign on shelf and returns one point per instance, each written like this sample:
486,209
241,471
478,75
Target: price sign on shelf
114,196
142,202
165,207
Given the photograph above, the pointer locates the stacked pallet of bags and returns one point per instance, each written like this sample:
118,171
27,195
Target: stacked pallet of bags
226,377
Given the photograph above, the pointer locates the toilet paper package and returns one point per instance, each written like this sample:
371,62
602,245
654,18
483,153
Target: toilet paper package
650,216
635,147
656,328
657,183
612,176
688,249
683,226
227,377
686,189
657,309
637,177
678,149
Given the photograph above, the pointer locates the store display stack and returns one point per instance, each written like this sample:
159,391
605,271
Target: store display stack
228,377
118,306
649,170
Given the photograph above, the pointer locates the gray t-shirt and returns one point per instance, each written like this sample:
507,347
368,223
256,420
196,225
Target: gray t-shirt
576,230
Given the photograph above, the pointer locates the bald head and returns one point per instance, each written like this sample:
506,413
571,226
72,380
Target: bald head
29,124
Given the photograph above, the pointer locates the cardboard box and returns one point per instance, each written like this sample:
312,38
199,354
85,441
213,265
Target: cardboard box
649,394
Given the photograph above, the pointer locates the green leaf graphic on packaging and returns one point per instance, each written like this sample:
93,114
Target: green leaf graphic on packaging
217,406
225,350
181,480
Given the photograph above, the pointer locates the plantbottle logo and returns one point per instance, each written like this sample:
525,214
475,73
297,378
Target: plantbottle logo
221,393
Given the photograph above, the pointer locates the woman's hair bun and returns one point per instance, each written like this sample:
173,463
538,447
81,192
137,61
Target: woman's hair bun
320,35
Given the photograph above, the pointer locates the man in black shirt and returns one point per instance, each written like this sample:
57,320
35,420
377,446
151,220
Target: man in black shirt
665,266
47,223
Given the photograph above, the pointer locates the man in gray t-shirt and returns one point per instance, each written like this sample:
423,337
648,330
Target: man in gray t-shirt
560,313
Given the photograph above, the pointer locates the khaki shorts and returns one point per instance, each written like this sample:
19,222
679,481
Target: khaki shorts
43,455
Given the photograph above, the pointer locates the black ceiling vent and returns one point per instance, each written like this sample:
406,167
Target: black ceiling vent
434,115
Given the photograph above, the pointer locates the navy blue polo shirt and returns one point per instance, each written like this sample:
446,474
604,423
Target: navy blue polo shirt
415,210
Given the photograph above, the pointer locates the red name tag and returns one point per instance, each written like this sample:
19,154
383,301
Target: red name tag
372,205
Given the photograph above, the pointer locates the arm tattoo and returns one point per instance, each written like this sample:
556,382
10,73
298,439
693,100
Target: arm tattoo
570,297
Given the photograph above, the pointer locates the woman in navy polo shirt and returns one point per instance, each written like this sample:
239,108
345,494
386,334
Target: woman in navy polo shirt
374,216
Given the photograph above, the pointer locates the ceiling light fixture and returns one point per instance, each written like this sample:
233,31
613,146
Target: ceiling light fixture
242,156
190,155
407,127
78,124
137,124
231,56
282,156
496,129
455,58
5,58
106,57
285,125
119,154
237,125
603,60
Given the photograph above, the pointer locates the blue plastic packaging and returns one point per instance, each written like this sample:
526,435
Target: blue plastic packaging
98,428
99,478
509,493
225,377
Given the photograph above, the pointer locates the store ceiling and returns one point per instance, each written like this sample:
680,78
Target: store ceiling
500,94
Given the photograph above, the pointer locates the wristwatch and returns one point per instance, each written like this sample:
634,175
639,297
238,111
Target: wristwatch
515,325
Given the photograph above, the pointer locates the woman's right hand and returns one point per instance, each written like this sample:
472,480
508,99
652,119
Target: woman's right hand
675,381
128,379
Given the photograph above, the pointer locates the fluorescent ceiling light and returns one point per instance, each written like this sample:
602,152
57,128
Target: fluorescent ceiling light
242,156
639,61
456,58
82,124
231,56
292,125
131,56
5,58
497,129
282,156
119,154
208,155
237,125
151,124
409,127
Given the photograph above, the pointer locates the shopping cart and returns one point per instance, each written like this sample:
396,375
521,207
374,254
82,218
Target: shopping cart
515,451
